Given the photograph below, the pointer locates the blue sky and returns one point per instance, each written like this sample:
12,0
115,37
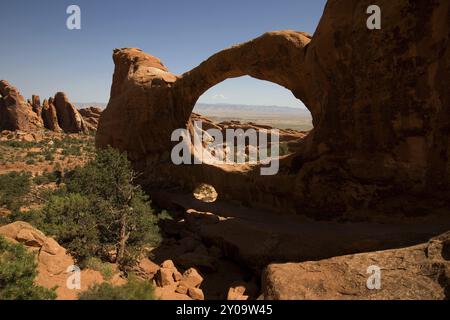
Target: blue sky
40,55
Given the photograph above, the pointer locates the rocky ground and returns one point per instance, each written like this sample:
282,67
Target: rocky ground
43,151
416,272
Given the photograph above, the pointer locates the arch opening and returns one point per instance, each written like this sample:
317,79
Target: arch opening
205,193
250,104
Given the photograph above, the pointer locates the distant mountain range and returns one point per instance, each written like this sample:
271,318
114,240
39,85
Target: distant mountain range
231,108
209,108
222,107
81,105
275,116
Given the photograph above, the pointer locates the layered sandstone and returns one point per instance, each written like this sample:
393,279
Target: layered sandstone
379,102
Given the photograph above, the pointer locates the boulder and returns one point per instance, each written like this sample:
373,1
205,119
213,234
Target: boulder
168,264
27,237
237,292
164,277
52,258
242,291
417,272
23,232
146,268
177,276
196,294
181,289
53,262
191,279
15,112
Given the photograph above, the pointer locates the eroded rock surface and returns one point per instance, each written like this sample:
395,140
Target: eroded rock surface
418,272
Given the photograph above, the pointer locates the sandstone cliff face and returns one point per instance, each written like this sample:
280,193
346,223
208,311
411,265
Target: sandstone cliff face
15,112
379,101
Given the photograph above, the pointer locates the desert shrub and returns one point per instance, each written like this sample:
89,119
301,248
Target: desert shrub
19,144
48,156
32,154
106,269
72,150
100,212
4,219
13,186
17,273
33,217
30,162
127,223
164,215
46,177
134,289
71,218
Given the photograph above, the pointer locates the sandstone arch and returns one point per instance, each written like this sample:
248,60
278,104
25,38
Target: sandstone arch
379,100
276,57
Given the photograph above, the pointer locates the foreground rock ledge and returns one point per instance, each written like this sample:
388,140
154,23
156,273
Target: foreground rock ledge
418,272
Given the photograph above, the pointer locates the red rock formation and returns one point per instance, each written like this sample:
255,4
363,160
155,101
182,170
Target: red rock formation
52,260
50,116
379,101
15,112
69,118
36,105
56,114
91,116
